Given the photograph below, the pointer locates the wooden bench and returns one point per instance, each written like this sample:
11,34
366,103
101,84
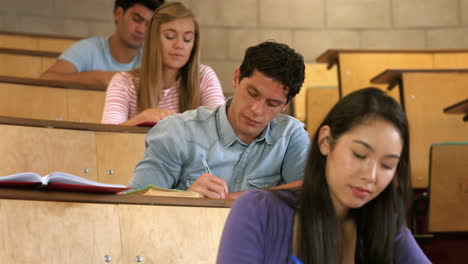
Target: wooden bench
356,67
103,153
25,62
424,95
55,100
38,42
64,227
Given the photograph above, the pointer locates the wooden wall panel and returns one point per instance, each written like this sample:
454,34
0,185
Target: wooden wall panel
58,232
426,95
316,76
192,232
23,149
33,102
357,69
18,42
449,188
451,60
72,151
20,65
319,102
85,106
54,45
119,153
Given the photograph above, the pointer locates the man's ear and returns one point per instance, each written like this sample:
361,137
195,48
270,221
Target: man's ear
324,140
287,104
235,79
118,13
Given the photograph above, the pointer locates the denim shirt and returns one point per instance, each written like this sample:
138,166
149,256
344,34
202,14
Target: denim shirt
173,147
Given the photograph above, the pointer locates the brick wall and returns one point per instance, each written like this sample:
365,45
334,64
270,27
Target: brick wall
229,26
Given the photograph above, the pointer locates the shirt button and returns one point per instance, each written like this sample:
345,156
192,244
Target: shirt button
248,150
238,181
267,185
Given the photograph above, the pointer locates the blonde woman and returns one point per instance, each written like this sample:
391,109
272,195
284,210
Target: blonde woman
170,79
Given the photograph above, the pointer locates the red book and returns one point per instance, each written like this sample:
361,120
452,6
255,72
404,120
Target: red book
147,123
59,181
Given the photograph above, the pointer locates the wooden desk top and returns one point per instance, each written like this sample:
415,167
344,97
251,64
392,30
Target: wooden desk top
50,84
458,108
62,196
389,76
36,35
27,52
330,56
17,121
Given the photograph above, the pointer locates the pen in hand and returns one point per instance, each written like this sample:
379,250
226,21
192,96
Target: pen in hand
295,260
202,156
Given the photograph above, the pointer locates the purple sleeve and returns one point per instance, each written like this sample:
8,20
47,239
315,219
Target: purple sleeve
243,236
407,251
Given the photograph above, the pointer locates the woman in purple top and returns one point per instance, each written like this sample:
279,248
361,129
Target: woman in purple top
351,207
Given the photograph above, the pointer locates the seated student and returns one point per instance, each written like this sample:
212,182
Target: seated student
170,79
246,142
95,60
351,207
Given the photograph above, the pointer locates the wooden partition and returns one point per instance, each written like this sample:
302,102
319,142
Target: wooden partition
60,227
318,94
25,62
357,67
104,153
425,93
40,99
449,187
38,42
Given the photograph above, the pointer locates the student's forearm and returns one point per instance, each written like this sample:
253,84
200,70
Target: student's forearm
291,185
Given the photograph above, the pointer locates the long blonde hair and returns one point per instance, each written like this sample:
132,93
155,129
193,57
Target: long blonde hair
151,70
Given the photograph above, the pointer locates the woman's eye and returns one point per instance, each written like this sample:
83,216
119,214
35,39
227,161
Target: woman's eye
358,155
387,167
187,40
170,37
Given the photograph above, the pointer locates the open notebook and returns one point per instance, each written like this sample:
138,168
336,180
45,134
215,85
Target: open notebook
59,181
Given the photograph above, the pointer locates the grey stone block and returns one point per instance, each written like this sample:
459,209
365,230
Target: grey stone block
447,38
86,9
283,36
206,11
237,13
97,29
358,13
41,25
393,39
292,14
214,43
312,43
425,13
225,72
464,11
241,39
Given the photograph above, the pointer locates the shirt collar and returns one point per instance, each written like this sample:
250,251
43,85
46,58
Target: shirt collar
226,133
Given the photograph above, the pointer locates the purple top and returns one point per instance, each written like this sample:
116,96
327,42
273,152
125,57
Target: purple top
259,230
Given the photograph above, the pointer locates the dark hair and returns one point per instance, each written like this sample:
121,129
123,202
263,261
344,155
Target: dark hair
126,4
377,221
276,61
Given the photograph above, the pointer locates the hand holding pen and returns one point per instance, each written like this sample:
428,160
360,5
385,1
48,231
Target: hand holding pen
209,185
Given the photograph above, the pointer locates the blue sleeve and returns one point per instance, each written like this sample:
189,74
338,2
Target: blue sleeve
244,231
164,155
81,54
296,155
407,251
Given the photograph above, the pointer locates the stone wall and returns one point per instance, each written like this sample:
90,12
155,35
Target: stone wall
229,26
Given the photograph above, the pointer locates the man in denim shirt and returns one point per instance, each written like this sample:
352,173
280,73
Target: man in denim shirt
246,142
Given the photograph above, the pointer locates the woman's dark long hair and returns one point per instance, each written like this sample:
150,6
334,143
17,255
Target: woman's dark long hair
377,221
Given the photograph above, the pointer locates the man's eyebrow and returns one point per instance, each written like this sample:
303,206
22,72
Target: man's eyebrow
138,16
368,146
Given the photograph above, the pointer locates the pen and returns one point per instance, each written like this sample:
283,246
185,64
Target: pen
202,156
295,260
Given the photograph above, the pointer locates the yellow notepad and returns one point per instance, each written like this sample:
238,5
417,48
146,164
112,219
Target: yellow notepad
158,191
